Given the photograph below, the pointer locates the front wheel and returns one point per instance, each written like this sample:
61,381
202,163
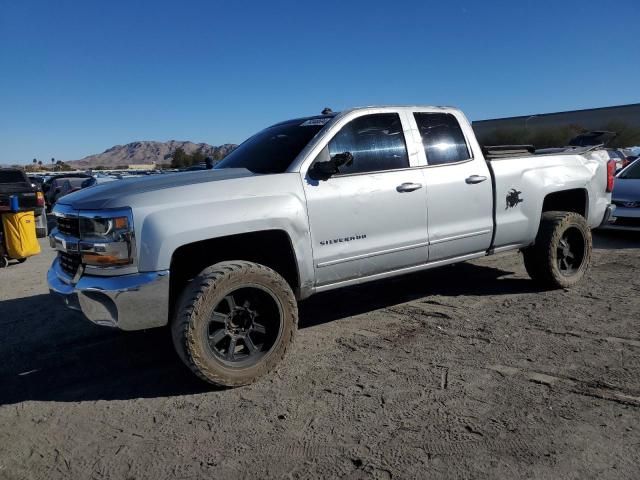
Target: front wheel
561,254
235,323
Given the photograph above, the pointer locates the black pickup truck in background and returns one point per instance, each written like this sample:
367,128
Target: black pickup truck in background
14,181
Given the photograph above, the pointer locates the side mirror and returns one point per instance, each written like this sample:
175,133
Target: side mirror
341,159
325,170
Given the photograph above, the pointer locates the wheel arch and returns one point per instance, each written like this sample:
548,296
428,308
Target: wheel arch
272,248
571,200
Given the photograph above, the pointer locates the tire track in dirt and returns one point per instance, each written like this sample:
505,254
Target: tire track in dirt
581,387
516,445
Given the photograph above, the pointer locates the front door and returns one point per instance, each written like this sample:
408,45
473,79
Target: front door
371,217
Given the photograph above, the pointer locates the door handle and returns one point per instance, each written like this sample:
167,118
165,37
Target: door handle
408,187
475,179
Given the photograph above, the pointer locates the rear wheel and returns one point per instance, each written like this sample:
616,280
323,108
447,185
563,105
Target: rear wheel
235,323
4,262
562,252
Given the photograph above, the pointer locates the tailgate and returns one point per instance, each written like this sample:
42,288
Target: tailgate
26,200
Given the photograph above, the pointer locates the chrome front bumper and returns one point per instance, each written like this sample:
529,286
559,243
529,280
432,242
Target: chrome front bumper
129,302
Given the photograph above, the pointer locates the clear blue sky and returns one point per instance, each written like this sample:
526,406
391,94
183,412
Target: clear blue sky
77,77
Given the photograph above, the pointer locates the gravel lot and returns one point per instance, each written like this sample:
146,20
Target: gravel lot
468,371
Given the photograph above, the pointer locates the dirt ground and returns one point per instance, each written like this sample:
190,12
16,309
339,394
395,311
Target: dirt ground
468,371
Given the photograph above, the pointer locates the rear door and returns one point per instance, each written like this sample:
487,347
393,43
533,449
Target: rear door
458,187
371,217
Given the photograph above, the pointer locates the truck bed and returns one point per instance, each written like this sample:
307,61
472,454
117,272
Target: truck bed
14,182
520,187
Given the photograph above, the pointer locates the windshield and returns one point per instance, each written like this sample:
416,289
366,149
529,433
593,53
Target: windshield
273,149
632,172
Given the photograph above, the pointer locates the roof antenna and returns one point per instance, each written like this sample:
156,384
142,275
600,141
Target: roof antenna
326,111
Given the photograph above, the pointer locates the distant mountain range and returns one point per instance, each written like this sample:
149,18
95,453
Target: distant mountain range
148,152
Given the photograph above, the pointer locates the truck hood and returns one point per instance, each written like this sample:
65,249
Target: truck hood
107,194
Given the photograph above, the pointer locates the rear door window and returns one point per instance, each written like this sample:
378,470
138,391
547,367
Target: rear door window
442,138
12,176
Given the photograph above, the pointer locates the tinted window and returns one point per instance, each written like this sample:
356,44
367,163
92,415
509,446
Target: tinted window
375,141
273,149
12,176
632,172
442,138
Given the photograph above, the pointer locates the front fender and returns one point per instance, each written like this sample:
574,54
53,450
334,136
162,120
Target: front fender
163,232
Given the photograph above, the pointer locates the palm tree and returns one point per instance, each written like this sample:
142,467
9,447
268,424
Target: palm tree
40,163
34,161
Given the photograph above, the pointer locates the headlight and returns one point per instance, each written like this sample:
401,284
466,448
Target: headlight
106,238
103,227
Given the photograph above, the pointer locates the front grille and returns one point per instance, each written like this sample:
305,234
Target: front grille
69,262
627,222
69,226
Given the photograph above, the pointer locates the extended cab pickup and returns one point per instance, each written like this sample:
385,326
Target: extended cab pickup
310,205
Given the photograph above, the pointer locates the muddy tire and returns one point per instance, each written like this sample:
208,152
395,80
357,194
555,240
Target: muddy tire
561,254
235,322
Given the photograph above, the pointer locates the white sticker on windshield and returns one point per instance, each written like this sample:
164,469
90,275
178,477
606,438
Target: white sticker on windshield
315,121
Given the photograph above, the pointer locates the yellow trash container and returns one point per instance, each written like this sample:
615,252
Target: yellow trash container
20,234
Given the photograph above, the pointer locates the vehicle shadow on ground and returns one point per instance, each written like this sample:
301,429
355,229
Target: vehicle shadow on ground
449,281
50,353
615,239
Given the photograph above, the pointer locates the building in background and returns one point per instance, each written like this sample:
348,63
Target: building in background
556,129
143,166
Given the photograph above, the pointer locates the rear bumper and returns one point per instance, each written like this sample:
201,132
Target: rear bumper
624,219
608,215
128,302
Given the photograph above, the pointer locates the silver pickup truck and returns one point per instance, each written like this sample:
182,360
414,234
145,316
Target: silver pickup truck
309,205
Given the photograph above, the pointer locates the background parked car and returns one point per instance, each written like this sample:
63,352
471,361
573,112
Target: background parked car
36,180
53,186
619,157
54,183
626,198
93,181
630,158
70,185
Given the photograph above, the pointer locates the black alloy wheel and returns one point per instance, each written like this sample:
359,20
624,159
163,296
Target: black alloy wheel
570,251
235,322
561,255
244,326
